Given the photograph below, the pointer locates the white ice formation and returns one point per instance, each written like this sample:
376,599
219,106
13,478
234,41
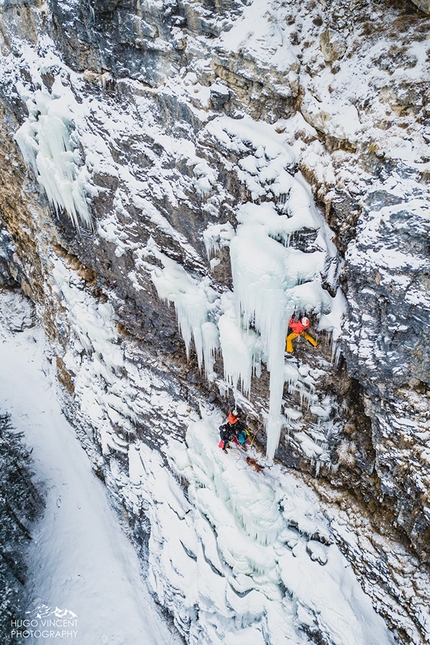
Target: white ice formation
49,145
272,280
193,304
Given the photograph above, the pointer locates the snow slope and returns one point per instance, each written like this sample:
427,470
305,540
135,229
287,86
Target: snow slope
79,558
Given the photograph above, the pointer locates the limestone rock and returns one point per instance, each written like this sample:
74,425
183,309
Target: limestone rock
332,46
424,5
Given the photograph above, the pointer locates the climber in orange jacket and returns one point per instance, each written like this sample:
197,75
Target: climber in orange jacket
233,430
298,329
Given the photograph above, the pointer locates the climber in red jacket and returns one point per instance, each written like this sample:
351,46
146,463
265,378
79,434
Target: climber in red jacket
298,329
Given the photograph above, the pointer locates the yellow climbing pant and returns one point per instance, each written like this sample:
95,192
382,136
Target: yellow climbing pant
293,335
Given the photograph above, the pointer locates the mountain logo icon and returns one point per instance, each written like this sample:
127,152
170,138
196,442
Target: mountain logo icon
44,611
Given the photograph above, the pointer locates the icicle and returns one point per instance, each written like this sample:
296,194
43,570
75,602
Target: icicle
210,336
240,347
46,145
217,236
191,301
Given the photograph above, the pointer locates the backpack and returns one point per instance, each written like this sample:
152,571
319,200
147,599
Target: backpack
241,436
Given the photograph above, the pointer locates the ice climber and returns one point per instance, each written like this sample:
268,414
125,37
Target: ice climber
299,329
233,430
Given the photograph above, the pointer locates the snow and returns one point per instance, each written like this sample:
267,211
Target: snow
240,546
79,559
256,34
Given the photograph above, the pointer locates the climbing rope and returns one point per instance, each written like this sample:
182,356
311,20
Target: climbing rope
255,434
238,458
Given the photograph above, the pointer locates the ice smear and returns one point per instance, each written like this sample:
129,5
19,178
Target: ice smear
49,144
92,322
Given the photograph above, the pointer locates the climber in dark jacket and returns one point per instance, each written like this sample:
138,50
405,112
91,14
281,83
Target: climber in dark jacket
233,430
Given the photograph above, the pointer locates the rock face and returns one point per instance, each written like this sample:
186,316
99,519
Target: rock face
423,5
141,143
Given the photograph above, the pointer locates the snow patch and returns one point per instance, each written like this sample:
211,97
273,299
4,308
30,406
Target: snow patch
93,322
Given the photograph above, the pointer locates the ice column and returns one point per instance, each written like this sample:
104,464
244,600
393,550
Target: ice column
272,281
258,267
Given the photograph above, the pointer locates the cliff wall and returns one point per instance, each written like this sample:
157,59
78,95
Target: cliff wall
160,159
